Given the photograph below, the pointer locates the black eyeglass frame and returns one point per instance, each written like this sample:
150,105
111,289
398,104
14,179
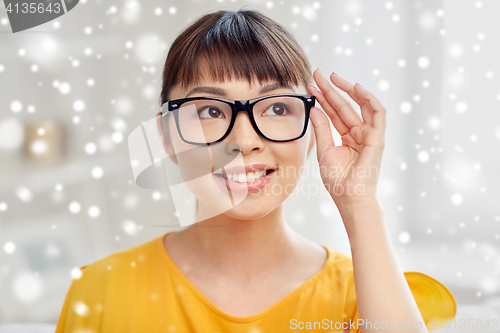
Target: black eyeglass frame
237,106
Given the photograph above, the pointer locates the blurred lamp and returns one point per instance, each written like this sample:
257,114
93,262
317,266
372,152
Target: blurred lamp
44,141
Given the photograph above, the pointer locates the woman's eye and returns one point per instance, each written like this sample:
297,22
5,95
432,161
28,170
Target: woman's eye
211,112
276,110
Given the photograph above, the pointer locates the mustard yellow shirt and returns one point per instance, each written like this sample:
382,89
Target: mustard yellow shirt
142,290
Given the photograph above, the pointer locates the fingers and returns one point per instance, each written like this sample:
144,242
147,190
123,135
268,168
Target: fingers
347,87
341,113
337,122
322,130
348,115
377,109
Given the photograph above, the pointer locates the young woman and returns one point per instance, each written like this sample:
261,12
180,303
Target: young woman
245,270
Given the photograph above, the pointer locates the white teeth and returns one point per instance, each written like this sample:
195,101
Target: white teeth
246,178
250,177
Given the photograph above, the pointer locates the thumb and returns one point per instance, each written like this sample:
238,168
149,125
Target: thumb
322,130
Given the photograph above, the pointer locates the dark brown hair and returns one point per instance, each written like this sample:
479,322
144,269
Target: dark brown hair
235,44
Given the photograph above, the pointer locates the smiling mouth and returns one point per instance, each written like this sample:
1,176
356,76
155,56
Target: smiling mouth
248,177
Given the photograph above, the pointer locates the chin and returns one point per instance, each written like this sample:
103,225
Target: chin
251,210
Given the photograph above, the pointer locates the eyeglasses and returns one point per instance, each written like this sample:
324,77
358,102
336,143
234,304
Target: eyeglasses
207,120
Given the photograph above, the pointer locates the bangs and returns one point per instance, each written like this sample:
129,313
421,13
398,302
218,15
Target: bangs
230,45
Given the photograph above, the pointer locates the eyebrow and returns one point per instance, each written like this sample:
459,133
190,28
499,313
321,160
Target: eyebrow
208,90
222,92
275,86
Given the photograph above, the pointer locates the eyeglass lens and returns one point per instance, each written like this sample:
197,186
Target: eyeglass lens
278,118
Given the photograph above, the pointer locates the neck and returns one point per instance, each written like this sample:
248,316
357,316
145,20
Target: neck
242,247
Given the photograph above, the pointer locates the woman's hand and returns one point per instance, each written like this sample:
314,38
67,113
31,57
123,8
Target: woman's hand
349,172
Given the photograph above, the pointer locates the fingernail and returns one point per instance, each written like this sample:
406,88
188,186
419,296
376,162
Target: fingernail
360,85
320,70
315,87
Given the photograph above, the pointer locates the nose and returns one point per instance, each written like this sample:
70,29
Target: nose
243,134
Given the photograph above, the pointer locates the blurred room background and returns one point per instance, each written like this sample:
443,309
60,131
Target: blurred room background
71,91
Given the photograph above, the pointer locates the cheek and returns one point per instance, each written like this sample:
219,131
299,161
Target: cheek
291,158
294,152
177,144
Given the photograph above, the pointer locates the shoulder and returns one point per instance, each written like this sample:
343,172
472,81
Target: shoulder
108,277
338,272
340,259
121,262
339,262
108,283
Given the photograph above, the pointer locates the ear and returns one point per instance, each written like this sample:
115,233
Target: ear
167,143
312,141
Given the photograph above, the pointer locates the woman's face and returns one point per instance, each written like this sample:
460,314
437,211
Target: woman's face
272,168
